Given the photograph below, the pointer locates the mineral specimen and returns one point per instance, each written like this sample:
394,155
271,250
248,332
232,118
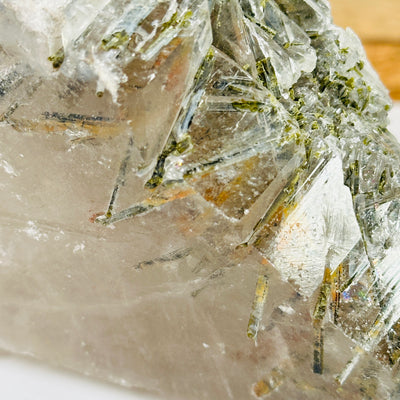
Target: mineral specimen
199,198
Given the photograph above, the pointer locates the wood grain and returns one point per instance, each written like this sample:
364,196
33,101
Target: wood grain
372,20
377,24
385,57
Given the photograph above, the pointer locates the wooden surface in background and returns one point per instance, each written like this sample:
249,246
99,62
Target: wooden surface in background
377,23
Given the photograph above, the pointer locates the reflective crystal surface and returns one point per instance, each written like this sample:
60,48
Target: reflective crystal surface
198,198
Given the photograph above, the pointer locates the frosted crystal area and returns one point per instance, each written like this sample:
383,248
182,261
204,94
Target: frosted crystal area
198,198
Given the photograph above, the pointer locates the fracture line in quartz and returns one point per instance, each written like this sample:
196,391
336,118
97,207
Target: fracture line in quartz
341,378
318,316
121,177
10,82
225,159
125,214
214,275
318,362
73,117
282,198
28,93
270,195
146,205
174,255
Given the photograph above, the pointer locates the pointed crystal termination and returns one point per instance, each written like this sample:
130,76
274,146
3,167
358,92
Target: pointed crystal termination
170,168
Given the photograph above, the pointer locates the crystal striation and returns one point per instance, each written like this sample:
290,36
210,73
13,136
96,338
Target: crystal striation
199,198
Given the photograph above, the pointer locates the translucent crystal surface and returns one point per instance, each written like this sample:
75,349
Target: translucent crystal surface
198,198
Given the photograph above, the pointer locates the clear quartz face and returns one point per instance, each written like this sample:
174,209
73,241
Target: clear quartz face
198,198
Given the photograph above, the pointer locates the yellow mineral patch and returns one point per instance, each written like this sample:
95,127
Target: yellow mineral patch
258,306
261,388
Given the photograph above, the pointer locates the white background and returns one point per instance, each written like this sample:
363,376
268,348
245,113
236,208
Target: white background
25,379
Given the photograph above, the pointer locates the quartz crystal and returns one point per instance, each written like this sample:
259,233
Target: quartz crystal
199,198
